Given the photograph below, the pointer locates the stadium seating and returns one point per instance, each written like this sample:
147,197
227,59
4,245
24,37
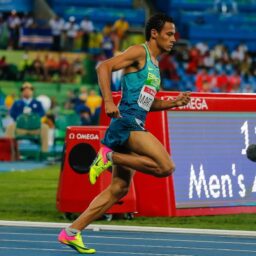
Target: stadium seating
100,12
18,5
196,20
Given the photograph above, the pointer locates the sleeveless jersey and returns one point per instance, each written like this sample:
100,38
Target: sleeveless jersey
139,90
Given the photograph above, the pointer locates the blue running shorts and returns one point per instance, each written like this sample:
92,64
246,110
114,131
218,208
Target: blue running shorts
119,130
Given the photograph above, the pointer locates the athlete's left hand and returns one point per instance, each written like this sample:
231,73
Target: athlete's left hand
182,99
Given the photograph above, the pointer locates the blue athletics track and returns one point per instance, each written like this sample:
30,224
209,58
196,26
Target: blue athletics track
40,239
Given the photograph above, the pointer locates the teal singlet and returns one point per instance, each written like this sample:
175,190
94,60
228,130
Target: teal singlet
138,93
139,89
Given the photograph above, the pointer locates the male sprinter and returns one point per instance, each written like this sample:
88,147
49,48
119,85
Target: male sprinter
127,145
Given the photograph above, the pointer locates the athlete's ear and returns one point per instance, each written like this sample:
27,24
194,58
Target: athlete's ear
154,33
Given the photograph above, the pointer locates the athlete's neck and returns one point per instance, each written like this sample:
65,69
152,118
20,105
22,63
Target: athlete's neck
154,51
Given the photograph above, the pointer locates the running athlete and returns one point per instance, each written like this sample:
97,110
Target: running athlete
127,146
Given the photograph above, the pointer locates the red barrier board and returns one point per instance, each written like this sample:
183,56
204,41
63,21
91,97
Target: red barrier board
207,140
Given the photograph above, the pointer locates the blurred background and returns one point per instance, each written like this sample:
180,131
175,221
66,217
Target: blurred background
49,50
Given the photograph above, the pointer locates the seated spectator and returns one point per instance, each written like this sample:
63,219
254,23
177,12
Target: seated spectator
93,101
234,82
203,81
37,68
222,81
95,41
64,68
85,114
8,71
9,100
3,67
168,68
76,69
28,104
108,45
51,67
25,66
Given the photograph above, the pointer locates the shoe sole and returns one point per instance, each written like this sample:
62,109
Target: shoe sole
77,249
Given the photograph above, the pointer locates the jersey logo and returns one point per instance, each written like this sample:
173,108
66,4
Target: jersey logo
149,91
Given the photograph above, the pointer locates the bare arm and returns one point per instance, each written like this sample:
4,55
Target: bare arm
181,100
104,70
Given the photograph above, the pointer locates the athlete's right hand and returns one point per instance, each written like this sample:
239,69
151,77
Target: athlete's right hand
112,110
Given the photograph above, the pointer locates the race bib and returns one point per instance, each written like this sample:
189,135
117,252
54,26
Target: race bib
147,96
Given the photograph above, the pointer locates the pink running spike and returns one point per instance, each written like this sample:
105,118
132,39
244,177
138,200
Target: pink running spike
104,150
63,236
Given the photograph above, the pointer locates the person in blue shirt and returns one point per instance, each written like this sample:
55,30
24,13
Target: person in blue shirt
128,146
25,105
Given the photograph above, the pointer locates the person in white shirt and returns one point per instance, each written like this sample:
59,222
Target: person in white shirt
14,23
86,27
57,26
71,29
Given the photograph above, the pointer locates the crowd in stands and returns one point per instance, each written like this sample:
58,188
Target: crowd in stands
43,67
81,108
209,69
64,33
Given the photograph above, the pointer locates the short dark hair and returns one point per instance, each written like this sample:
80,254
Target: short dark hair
156,22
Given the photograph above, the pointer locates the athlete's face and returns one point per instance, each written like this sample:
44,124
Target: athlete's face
165,38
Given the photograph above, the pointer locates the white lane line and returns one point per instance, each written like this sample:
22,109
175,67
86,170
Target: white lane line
136,238
144,246
131,228
105,252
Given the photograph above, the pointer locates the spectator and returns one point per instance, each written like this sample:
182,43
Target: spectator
25,66
64,68
71,29
168,68
57,26
96,38
51,67
120,27
93,101
4,33
9,100
108,44
27,21
234,82
203,81
85,114
77,69
222,81
14,24
3,67
37,67
27,104
86,27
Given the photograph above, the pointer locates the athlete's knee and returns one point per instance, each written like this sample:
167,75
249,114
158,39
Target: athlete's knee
165,170
119,188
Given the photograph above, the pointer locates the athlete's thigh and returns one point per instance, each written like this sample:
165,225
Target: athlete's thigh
146,144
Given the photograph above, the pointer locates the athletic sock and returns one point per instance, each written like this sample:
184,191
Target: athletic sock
109,156
71,231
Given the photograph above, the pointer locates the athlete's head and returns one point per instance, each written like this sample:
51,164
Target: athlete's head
161,29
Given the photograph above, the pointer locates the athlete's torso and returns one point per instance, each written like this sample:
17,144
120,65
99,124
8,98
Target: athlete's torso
139,89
